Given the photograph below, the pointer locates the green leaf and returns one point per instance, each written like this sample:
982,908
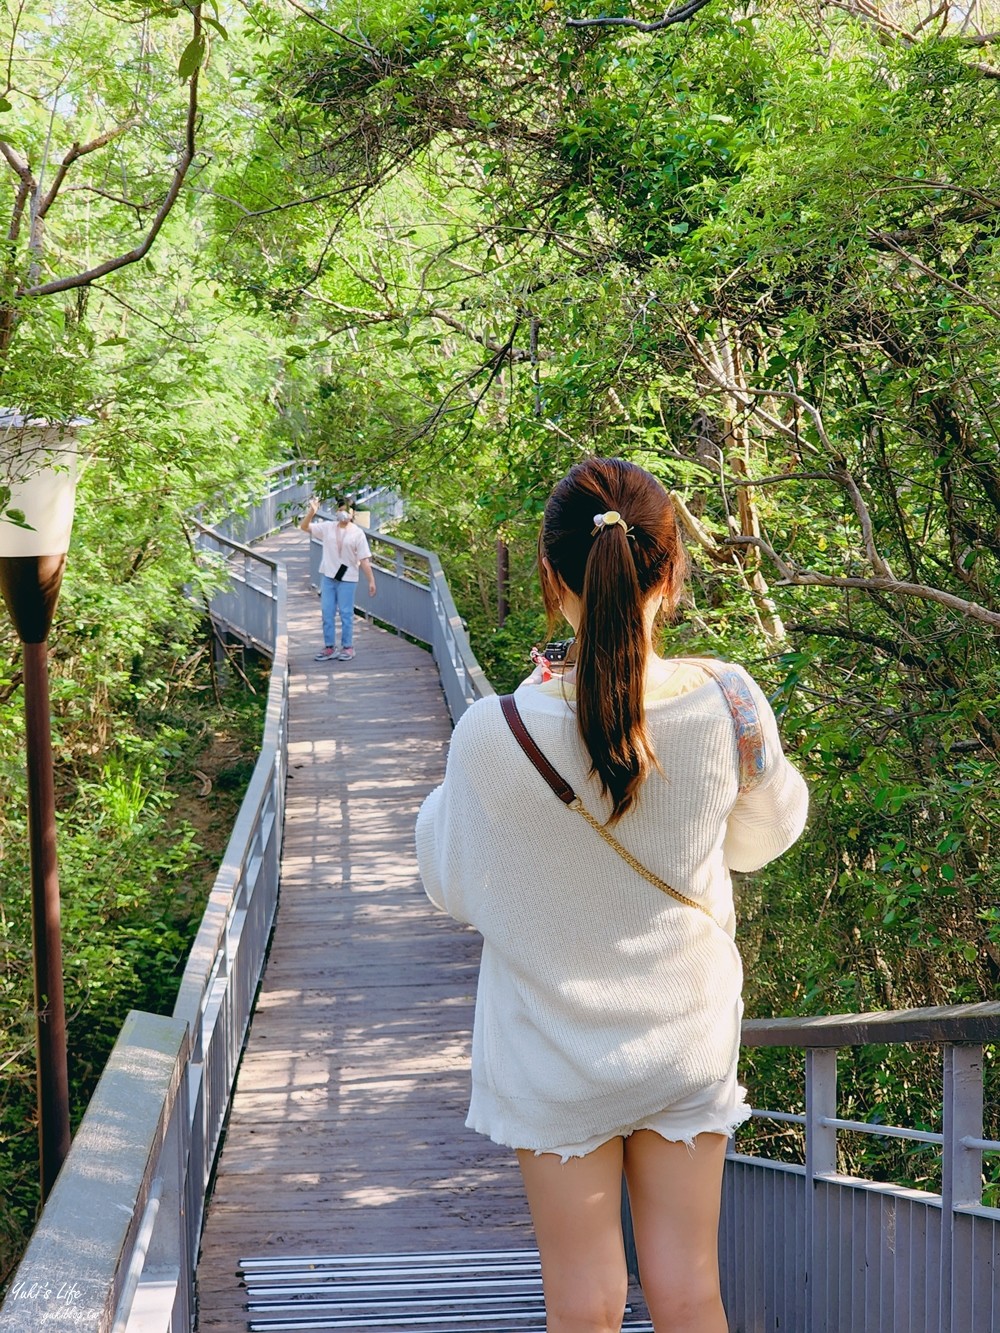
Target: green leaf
5,105
191,57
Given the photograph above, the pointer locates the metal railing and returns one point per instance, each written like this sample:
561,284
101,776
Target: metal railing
413,597
808,1249
250,517
216,994
117,1242
286,489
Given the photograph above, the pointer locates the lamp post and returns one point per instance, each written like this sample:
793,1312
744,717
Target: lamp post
38,465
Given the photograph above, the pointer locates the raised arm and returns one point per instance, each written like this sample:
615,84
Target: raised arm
309,515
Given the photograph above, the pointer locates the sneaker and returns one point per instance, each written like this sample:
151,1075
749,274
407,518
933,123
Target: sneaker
327,655
345,655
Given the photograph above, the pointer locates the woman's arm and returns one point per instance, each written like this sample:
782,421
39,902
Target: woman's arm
309,515
766,820
451,814
366,566
428,819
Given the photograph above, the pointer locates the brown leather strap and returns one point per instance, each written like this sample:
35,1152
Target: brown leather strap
555,780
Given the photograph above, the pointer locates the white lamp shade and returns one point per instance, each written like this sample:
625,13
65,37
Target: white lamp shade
38,462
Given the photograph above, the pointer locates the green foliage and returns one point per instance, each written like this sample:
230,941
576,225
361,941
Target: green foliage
762,248
457,249
134,875
178,385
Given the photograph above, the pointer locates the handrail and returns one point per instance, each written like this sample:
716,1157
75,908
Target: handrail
129,1151
841,1251
229,948
940,1023
107,1261
414,598
966,1025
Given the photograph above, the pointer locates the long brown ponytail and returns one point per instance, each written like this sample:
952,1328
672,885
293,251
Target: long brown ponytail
613,573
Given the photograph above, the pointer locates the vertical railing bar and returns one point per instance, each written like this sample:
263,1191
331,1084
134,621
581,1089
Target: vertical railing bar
821,1159
961,1174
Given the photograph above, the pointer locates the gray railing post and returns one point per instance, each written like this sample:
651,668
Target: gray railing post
821,1159
961,1179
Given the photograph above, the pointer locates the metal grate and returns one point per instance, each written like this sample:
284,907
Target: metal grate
498,1291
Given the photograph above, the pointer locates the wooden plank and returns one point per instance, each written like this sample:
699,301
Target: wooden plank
346,1132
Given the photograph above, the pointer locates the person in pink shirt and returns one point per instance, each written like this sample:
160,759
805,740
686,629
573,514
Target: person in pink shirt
346,555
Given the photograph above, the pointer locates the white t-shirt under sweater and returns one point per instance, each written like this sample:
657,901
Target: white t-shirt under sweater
601,1000
345,545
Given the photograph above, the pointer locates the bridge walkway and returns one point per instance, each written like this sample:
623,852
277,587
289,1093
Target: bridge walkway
346,1132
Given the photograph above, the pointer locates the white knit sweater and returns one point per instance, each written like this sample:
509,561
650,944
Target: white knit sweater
601,1000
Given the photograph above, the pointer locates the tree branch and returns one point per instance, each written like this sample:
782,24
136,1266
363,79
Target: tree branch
934,14
744,396
697,532
353,41
680,15
883,239
494,366
888,31
885,27
891,647
780,477
18,164
140,251
17,212
876,561
801,578
491,344
908,183
77,151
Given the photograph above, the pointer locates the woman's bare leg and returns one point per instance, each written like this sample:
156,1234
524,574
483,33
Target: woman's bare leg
676,1194
576,1210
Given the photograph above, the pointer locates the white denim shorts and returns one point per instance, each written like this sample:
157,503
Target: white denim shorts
718,1109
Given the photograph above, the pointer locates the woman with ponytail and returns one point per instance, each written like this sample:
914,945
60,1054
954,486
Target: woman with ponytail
587,828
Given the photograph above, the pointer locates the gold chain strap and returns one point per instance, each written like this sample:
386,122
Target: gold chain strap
577,805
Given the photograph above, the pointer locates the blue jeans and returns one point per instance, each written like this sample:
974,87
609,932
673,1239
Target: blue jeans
337,596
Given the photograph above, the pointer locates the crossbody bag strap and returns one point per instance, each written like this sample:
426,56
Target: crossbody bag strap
569,798
751,749
523,737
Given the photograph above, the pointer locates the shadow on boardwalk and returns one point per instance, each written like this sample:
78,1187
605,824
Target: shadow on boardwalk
346,1134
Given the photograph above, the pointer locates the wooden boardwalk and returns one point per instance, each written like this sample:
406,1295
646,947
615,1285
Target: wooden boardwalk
347,1128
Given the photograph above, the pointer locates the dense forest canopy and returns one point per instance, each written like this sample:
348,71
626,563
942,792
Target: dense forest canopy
455,247
756,251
